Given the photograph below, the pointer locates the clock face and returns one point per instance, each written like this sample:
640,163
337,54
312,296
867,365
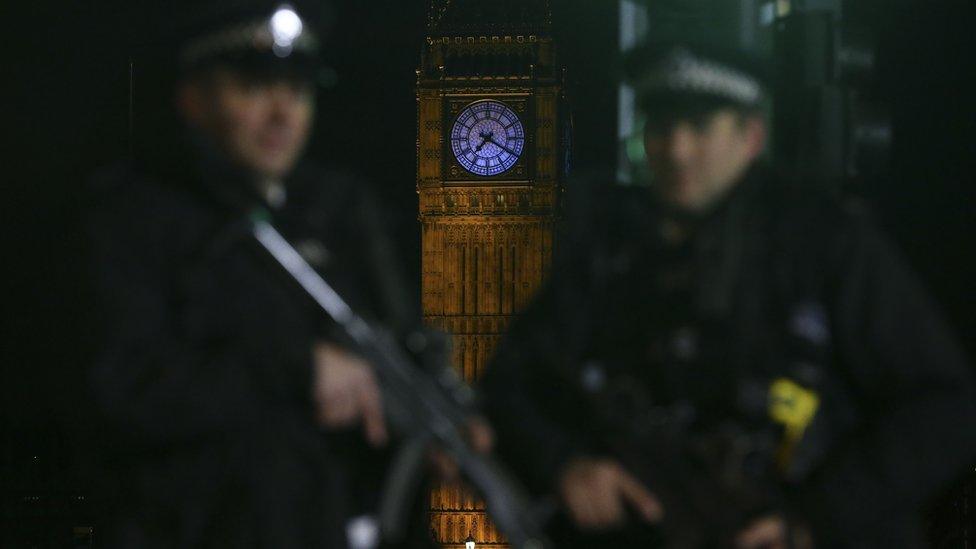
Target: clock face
487,138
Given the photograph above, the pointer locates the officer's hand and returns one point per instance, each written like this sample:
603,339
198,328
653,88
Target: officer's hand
345,393
597,490
771,532
481,438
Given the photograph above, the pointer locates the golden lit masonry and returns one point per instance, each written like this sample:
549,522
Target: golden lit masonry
491,154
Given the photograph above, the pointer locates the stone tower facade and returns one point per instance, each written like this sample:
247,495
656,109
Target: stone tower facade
492,149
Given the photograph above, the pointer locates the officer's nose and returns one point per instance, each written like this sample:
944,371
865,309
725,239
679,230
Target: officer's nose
285,101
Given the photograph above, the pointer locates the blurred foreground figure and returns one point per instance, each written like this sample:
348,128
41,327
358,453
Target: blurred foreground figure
237,417
727,359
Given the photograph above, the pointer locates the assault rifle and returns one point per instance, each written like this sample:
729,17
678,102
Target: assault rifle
425,407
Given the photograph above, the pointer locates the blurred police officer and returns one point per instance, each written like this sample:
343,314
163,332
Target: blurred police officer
730,300
237,418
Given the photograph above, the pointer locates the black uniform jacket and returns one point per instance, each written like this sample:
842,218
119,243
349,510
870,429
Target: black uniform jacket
691,323
203,376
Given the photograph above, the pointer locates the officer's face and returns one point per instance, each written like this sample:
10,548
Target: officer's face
261,125
696,161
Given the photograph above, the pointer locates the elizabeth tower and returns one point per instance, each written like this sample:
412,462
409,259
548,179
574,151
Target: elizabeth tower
491,155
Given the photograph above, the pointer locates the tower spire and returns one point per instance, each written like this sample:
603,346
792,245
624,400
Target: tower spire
499,17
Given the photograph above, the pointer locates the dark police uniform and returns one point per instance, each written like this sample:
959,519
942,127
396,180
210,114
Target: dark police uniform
205,372
779,295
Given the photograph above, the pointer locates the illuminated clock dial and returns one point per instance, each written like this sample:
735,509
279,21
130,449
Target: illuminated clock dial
487,138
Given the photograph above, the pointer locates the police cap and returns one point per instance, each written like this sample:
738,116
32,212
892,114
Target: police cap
677,78
258,37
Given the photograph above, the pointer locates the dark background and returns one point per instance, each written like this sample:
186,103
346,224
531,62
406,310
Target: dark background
71,116
67,73
68,76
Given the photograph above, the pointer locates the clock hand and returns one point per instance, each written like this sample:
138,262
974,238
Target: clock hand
485,137
503,147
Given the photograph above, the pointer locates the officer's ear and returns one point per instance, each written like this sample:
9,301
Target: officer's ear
192,101
754,131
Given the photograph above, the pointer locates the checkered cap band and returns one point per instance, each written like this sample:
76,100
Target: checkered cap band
682,71
255,36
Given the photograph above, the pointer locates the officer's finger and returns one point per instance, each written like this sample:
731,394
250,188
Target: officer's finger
480,435
339,409
445,467
371,407
588,493
575,491
610,505
766,533
643,501
600,498
582,509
